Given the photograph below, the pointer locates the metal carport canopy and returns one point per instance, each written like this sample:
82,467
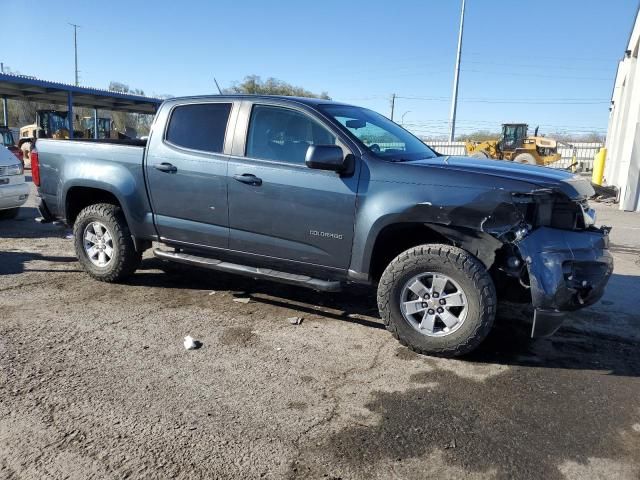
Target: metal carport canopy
20,87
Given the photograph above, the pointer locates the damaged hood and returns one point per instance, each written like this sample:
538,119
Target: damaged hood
572,185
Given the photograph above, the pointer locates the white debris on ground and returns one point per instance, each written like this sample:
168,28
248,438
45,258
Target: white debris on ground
190,343
242,299
295,320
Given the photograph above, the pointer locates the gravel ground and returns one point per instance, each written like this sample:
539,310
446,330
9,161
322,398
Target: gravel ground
95,381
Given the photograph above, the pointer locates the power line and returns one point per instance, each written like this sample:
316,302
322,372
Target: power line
538,75
517,101
475,53
527,65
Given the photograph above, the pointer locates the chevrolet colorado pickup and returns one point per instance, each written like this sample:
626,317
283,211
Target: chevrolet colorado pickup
321,194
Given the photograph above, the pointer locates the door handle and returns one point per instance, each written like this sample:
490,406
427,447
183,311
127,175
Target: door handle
166,167
249,179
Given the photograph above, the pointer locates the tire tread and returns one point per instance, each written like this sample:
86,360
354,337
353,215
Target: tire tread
128,260
459,259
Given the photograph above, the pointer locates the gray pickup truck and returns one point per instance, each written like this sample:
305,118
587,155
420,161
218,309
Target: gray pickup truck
321,194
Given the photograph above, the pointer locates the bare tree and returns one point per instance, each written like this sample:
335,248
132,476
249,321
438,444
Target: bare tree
140,122
478,136
254,85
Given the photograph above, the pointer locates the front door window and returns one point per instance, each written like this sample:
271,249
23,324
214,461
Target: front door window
283,134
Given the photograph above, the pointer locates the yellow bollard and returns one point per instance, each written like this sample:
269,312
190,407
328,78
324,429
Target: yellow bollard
598,166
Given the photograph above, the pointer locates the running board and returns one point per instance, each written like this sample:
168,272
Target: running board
255,272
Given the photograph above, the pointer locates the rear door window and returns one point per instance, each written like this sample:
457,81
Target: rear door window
199,126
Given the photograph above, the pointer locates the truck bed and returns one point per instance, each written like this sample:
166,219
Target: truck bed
134,142
114,166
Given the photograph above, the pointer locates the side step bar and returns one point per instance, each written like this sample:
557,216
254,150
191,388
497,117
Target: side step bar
255,272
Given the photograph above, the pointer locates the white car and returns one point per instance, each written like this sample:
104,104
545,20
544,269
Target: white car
13,188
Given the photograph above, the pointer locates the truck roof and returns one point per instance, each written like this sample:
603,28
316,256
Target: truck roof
304,100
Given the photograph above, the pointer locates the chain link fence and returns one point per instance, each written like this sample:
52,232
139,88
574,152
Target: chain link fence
581,154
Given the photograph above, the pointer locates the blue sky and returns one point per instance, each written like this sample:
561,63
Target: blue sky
542,62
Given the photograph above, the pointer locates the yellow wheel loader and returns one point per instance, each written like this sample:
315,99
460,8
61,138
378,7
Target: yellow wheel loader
516,145
48,124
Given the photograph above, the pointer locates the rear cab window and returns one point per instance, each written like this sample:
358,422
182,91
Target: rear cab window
199,126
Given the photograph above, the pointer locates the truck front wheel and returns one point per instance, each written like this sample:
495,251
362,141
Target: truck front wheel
437,300
103,243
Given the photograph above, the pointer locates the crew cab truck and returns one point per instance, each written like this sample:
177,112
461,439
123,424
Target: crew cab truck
321,194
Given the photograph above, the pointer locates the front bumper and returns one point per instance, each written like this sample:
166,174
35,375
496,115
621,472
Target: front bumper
13,196
567,269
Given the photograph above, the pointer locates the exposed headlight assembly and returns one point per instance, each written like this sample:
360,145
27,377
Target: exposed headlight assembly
16,169
555,210
588,214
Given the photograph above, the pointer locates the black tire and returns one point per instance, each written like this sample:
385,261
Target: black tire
460,266
480,154
526,158
9,213
125,259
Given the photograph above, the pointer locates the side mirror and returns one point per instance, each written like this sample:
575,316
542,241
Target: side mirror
355,124
325,157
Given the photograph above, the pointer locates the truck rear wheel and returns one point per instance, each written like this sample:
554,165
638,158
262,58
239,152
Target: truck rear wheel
437,300
103,243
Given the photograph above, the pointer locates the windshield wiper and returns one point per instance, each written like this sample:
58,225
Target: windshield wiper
395,160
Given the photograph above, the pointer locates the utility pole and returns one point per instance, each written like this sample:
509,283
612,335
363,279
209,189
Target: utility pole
5,110
393,104
456,80
75,49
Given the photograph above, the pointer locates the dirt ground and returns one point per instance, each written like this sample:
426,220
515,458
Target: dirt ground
95,381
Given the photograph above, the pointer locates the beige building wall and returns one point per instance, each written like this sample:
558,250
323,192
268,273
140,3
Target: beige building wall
622,167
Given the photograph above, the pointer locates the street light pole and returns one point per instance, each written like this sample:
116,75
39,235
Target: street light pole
393,104
456,80
402,118
5,110
75,49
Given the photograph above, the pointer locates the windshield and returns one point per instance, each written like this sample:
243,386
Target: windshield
104,127
53,122
6,138
378,134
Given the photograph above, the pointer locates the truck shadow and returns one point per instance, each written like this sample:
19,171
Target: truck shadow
25,226
355,305
575,346
12,263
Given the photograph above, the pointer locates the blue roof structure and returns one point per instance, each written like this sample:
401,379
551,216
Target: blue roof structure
20,87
